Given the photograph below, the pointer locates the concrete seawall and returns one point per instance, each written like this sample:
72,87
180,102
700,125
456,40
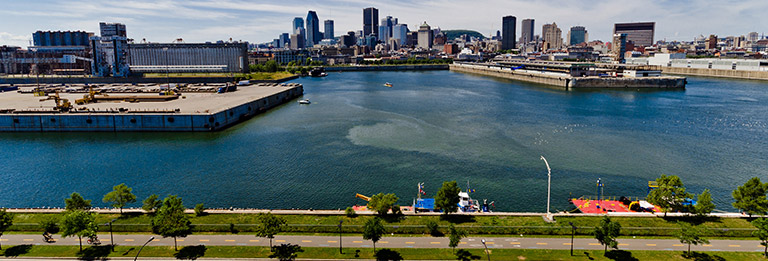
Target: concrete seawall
425,67
129,80
737,74
568,82
115,122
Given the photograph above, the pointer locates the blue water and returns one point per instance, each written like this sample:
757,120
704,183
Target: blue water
358,136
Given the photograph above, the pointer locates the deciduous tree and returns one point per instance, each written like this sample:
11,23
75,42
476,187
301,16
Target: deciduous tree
690,234
286,252
455,236
704,204
607,232
762,233
669,195
447,198
6,221
751,197
373,230
170,220
120,196
79,223
269,226
77,202
381,203
152,203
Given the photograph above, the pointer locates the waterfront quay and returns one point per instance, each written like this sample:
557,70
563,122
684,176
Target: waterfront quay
200,108
570,76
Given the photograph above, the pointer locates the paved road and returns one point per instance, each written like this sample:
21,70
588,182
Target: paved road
396,242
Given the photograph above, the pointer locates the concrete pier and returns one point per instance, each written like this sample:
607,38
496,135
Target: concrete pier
569,82
193,112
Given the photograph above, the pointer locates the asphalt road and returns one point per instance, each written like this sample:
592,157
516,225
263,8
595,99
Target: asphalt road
395,242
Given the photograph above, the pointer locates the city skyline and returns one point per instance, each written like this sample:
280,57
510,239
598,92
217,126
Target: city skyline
209,20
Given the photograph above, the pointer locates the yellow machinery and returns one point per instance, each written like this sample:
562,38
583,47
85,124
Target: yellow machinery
38,92
62,105
363,197
88,98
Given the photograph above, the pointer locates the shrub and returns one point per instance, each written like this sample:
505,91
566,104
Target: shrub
350,212
199,210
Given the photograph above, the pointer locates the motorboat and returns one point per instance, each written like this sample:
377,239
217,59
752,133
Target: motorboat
304,101
388,85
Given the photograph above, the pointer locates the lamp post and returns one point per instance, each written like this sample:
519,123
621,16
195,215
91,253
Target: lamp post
573,232
111,238
167,70
486,249
142,247
549,182
340,221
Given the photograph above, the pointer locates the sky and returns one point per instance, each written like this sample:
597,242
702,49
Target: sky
262,21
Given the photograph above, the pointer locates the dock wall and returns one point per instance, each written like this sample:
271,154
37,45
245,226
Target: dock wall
367,68
119,122
737,74
128,80
541,78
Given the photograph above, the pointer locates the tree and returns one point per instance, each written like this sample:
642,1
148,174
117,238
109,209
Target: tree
49,226
350,212
447,198
199,210
286,252
170,220
607,233
762,233
152,203
704,204
669,195
77,202
120,196
381,203
6,221
751,198
690,234
269,225
455,236
271,66
373,230
79,223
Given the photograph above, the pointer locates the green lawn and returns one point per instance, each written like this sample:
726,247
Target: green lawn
192,252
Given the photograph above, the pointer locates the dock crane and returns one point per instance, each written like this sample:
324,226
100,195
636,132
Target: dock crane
363,197
62,105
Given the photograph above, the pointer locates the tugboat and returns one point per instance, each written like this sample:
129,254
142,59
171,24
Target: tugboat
318,72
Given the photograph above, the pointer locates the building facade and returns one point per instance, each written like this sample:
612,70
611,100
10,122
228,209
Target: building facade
61,38
508,32
640,34
112,29
552,36
577,35
400,33
425,36
370,21
313,29
328,33
527,31
619,46
178,57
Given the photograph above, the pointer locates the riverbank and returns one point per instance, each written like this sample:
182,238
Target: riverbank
369,68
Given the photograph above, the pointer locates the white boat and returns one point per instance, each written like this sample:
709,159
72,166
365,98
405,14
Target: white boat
304,101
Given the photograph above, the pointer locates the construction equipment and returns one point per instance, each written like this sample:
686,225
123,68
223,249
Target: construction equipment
62,105
88,98
38,92
363,197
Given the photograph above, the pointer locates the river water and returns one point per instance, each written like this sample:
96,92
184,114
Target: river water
359,136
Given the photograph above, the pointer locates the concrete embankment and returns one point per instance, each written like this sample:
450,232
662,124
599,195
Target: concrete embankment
367,68
128,80
735,74
568,82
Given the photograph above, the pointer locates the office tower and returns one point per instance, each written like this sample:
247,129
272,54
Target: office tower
298,22
400,32
619,46
577,35
328,29
285,40
383,35
112,29
641,34
527,30
389,23
313,29
552,36
508,32
370,21
298,40
753,37
425,36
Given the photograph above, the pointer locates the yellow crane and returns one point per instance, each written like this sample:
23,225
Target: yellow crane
363,197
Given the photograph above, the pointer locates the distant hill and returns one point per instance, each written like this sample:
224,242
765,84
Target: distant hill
452,34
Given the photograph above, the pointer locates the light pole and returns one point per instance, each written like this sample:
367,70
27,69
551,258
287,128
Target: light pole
142,247
111,238
549,182
573,232
167,71
486,249
340,221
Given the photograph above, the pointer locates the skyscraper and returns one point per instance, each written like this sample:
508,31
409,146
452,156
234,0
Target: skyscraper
552,36
370,21
298,22
508,32
400,32
577,35
619,46
328,29
313,29
284,40
389,24
637,33
425,36
383,35
527,30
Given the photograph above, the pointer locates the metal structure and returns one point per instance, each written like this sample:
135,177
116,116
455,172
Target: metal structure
549,182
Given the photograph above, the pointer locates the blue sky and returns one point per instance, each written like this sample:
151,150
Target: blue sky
261,21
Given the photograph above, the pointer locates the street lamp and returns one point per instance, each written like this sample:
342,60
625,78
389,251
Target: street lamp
340,221
573,232
486,249
111,238
142,247
167,70
549,182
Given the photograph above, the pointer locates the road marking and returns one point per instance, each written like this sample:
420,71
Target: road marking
514,243
129,240
205,240
383,242
461,243
623,244
566,244
253,240
678,245
707,245
359,242
543,244
435,243
734,245
280,241
1,239
650,244
490,243
156,240
229,240
105,240
180,240
331,241
28,239
410,243
306,241
595,244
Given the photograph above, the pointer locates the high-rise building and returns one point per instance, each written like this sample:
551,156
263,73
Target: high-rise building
328,33
508,32
370,21
412,39
313,29
285,40
298,22
641,34
552,36
425,36
389,24
112,29
619,46
400,32
527,31
298,40
383,35
753,37
577,35
711,43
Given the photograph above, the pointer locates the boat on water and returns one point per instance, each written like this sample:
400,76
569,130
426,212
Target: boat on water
318,72
388,85
466,203
304,101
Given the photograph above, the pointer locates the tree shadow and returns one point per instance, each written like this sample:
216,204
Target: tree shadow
387,254
129,251
16,251
465,255
587,254
702,256
128,215
457,219
693,219
620,255
191,252
95,253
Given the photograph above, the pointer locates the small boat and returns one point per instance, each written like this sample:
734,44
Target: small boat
388,85
318,72
304,101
